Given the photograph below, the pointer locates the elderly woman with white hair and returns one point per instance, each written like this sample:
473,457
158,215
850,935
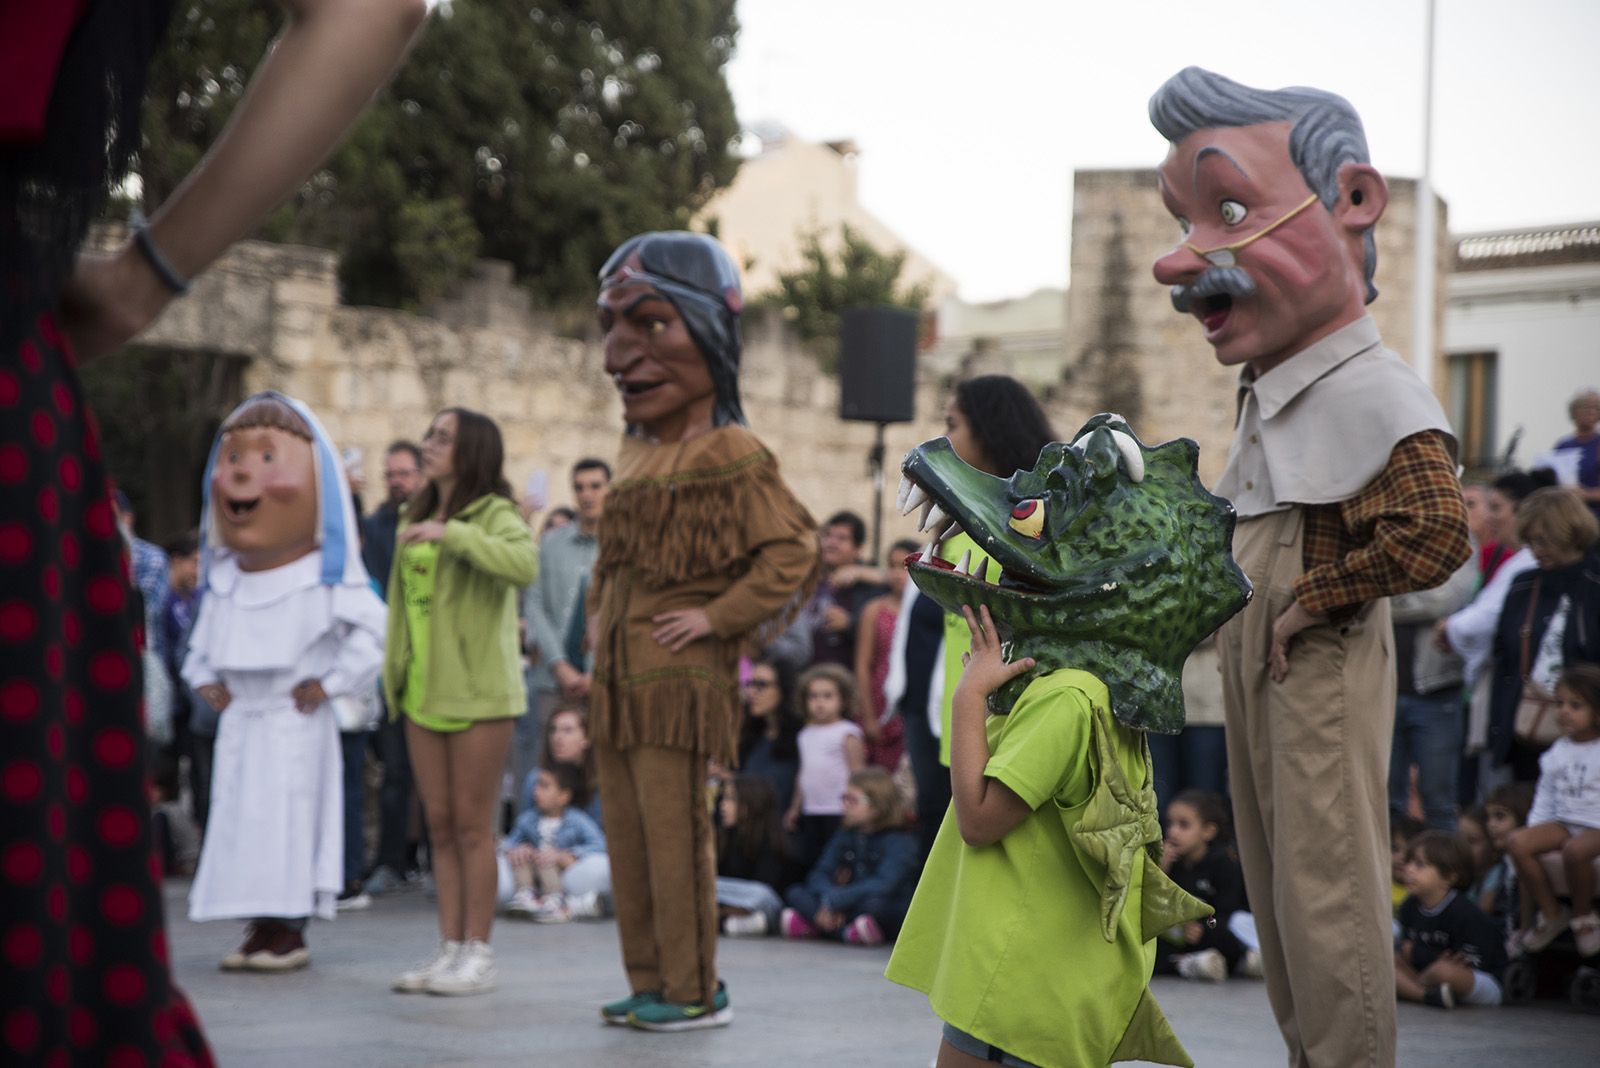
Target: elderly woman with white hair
1584,409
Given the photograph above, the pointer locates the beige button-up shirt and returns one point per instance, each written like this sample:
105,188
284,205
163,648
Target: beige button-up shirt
1319,426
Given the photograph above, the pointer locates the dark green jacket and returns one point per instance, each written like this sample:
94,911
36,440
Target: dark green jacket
474,654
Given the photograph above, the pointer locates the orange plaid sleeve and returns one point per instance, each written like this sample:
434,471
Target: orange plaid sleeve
1407,530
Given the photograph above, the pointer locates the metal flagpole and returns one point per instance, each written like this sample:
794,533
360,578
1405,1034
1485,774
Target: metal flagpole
1422,305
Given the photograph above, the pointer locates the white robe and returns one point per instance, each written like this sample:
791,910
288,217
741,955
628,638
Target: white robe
275,837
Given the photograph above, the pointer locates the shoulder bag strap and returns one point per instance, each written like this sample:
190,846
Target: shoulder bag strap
1527,627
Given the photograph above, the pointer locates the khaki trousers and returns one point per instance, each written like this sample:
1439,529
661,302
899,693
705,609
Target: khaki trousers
663,869
1308,759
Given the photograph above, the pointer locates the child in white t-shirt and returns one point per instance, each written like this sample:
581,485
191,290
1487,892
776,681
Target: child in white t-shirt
831,750
1565,816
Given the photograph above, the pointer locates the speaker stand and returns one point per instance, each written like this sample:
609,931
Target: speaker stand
875,470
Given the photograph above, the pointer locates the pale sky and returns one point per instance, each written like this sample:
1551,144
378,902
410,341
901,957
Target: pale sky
971,116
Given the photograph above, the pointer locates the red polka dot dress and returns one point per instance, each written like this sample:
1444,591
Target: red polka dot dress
83,952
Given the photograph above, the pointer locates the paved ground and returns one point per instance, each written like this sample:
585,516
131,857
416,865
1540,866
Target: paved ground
795,1004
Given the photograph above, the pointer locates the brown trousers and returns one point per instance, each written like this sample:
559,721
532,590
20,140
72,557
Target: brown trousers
1308,760
663,869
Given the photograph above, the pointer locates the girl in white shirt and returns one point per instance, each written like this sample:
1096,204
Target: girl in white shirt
1565,817
831,750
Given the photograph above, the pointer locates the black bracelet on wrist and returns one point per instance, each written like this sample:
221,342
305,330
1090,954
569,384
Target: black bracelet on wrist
158,262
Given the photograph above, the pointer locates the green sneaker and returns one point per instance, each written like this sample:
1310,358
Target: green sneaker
662,1015
618,1011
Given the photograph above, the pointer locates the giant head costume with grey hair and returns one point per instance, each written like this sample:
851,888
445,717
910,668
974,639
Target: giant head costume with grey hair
1276,201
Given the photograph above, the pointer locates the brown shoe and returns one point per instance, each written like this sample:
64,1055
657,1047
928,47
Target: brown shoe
284,953
256,938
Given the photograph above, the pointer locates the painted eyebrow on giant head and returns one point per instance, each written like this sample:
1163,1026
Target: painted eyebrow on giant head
1213,150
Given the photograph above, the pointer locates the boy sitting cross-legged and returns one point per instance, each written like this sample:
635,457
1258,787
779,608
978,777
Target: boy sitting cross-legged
547,843
1449,950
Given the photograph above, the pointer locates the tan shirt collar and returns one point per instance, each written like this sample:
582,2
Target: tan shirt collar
1289,379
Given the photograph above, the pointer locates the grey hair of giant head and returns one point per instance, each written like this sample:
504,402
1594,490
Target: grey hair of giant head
1325,135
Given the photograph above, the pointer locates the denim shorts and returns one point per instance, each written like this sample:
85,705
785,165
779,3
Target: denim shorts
977,1047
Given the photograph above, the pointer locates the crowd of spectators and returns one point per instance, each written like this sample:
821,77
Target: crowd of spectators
842,782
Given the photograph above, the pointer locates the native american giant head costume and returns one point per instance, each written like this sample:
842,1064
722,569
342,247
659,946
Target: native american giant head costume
701,281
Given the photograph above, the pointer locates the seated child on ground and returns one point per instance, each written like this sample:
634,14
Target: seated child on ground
831,749
556,853
861,886
1403,830
751,857
1198,856
1505,813
1566,817
1450,952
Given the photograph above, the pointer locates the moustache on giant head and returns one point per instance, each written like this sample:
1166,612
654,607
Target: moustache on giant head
1213,282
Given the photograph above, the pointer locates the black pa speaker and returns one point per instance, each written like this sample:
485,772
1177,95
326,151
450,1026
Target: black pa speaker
877,364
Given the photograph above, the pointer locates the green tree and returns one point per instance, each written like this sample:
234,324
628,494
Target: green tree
857,273
536,131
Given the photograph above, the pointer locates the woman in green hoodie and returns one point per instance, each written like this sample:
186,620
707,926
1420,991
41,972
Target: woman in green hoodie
453,668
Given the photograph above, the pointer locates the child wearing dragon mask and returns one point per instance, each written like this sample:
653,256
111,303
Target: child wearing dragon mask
1113,563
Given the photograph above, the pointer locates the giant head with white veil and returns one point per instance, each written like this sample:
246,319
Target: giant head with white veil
275,492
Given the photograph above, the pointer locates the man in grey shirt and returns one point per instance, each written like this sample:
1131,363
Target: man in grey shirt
566,557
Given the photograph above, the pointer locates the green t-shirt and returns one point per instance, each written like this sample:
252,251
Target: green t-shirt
419,566
1007,940
957,637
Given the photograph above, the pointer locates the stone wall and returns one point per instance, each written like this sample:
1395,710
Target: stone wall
1128,351
375,375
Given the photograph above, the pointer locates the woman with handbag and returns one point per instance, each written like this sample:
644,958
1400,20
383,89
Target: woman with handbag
1550,620
453,668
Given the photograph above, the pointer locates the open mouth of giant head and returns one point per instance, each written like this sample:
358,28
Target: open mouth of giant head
632,390
940,516
1213,311
239,509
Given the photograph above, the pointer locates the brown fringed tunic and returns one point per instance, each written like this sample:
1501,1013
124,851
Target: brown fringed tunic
707,523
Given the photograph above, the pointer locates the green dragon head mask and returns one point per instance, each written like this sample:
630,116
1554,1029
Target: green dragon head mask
1114,558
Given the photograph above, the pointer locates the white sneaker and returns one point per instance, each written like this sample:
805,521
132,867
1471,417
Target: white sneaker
353,900
1250,966
588,906
523,903
1206,966
417,979
1586,932
473,972
553,909
750,925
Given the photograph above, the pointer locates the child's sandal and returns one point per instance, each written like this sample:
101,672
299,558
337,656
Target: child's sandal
1547,930
1586,932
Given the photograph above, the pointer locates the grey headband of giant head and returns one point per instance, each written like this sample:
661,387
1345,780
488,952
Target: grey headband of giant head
1325,135
701,280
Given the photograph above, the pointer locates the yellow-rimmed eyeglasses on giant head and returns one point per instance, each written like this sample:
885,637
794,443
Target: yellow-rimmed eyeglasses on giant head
1223,255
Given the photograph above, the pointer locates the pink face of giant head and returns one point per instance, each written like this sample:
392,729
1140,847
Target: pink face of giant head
1242,205
264,496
